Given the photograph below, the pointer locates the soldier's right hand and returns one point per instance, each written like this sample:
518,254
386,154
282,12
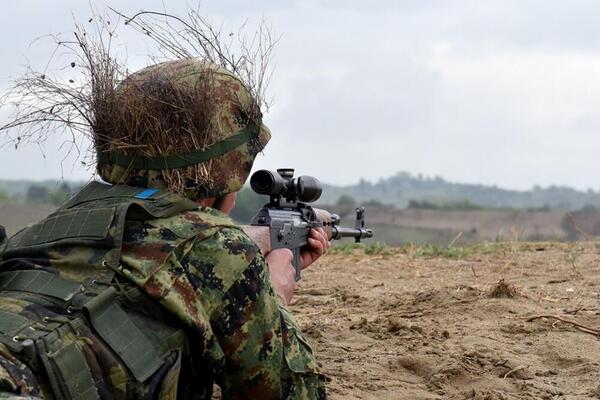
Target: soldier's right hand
282,273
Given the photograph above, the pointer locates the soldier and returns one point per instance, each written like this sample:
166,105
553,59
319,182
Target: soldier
144,287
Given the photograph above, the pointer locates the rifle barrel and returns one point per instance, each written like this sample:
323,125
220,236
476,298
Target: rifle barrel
338,232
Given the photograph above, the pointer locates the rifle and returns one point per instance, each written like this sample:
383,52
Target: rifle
288,218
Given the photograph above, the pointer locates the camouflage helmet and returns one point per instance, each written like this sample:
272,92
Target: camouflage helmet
197,164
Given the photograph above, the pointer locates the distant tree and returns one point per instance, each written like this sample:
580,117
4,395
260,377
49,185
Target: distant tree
37,194
544,208
373,203
41,194
464,205
423,205
588,208
57,197
247,204
346,200
64,187
414,204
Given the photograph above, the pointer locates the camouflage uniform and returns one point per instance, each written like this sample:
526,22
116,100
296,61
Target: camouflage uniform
219,287
213,285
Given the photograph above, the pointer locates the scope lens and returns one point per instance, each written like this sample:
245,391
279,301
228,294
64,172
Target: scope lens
262,181
310,189
268,182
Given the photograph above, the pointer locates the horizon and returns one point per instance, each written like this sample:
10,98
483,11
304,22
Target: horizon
416,176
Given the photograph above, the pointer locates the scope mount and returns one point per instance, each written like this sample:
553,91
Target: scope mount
290,196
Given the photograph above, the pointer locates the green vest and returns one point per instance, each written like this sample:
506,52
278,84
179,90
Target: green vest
2,240
83,239
87,231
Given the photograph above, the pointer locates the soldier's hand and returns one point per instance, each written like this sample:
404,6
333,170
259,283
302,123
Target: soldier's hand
316,247
282,273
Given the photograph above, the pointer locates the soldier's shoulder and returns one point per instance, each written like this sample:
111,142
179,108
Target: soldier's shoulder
220,240
218,249
221,235
203,221
206,239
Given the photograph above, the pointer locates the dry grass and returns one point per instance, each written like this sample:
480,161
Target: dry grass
151,114
503,290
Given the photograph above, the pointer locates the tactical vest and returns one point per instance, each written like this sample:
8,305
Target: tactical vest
77,319
3,239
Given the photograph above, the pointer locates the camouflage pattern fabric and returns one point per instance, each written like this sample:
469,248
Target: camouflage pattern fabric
217,283
16,377
234,106
109,376
204,271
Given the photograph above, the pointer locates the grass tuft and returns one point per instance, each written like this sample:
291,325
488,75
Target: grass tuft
370,249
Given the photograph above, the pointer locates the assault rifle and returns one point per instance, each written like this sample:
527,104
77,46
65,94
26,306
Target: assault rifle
288,218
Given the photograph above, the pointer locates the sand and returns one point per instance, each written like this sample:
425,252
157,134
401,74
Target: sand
401,325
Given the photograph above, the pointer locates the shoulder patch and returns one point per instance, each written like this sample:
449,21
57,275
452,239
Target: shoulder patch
146,194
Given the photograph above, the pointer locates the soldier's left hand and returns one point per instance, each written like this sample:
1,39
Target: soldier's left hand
316,247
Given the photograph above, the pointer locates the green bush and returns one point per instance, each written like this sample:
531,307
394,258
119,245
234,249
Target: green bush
346,200
464,205
4,195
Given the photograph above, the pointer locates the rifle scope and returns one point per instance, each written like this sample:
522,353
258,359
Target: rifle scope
283,184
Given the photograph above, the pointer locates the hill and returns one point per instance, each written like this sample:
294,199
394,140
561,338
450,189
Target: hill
400,190
403,187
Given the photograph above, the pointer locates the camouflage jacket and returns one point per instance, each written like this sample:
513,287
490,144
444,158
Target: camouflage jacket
211,282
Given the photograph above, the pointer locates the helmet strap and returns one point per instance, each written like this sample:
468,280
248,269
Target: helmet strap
216,150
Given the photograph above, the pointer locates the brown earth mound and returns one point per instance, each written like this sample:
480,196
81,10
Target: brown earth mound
517,322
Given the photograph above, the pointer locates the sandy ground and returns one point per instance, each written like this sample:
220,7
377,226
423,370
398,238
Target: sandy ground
405,326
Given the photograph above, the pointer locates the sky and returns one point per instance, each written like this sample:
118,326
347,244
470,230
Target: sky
502,93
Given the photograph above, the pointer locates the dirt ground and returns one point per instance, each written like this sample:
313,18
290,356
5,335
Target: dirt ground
488,224
407,326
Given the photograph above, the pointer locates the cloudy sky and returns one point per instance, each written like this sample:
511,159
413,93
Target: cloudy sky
496,92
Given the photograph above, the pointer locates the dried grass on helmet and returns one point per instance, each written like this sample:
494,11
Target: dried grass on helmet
154,117
84,96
